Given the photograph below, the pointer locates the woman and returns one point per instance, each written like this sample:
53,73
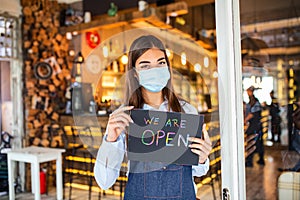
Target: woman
149,86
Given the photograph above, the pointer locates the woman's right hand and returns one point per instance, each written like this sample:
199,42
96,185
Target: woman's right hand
117,123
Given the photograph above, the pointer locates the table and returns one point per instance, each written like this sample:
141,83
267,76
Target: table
35,155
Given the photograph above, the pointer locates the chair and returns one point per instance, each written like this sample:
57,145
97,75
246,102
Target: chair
289,186
53,130
79,144
122,179
213,175
3,173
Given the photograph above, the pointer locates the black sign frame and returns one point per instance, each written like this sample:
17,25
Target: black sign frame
163,136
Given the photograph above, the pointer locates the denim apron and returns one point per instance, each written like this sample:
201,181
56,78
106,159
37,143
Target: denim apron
172,182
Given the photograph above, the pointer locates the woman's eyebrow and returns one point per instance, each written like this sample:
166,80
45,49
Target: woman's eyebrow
162,58
144,61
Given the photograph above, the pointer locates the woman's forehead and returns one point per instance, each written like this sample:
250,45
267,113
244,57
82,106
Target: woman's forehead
153,53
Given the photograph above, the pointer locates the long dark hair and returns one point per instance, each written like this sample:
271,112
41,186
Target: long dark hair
133,96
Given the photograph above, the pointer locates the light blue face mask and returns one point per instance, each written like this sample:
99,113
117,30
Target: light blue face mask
154,79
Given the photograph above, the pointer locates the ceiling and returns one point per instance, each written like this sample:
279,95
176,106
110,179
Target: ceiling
268,10
276,22
254,11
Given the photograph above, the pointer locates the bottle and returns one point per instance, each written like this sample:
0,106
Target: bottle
109,67
122,67
43,182
115,66
77,91
93,106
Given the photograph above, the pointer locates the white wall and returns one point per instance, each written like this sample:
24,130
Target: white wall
7,116
13,7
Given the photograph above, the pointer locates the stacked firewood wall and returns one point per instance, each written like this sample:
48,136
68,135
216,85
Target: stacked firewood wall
44,98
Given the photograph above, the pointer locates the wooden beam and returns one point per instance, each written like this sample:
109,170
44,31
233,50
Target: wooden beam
192,3
279,51
175,9
132,14
273,15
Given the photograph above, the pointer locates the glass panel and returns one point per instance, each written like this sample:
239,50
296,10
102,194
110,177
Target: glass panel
2,51
270,45
8,37
195,81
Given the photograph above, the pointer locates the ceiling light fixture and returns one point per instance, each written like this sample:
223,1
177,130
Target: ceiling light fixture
183,58
206,62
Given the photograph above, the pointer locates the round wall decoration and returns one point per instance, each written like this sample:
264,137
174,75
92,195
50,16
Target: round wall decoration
43,70
92,38
93,64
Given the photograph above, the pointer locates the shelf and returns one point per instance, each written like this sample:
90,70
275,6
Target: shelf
108,86
112,87
105,21
112,73
127,16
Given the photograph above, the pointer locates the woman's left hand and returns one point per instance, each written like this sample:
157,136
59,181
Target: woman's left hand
201,147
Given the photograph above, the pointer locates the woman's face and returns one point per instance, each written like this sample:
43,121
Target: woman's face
151,58
250,93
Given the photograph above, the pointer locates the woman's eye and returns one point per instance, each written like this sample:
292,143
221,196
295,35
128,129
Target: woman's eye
145,66
162,63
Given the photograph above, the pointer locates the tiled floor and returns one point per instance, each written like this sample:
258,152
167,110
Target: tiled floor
261,180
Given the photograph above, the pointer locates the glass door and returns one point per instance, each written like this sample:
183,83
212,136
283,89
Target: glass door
230,99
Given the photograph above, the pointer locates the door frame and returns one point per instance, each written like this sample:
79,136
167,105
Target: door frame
16,83
230,99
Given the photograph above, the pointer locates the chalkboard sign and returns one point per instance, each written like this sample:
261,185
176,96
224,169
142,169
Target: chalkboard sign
163,136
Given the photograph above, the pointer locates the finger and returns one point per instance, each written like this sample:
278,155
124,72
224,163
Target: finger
205,134
204,131
204,146
206,143
196,140
122,109
118,124
115,130
119,118
119,130
202,156
206,137
204,127
196,151
115,123
123,115
205,150
119,127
